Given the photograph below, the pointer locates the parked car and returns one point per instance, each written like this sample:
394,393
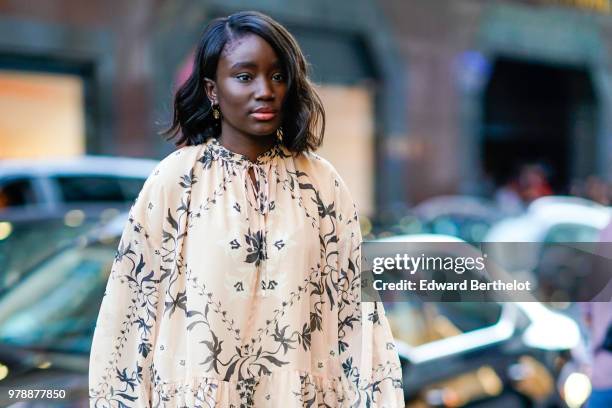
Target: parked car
482,354
43,204
530,242
48,317
466,217
51,187
553,218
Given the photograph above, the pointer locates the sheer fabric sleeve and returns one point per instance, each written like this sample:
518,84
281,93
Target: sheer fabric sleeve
121,352
370,363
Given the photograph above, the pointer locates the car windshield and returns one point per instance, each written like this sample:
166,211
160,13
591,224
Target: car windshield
55,306
29,242
572,233
470,228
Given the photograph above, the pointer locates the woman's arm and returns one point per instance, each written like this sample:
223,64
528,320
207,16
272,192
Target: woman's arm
369,359
122,348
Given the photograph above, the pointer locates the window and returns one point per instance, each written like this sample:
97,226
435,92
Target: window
562,270
90,189
16,192
572,233
31,99
418,323
131,187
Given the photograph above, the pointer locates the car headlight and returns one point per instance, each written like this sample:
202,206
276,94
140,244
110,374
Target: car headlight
576,389
4,371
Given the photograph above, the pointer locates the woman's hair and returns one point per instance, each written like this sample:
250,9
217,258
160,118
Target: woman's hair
303,114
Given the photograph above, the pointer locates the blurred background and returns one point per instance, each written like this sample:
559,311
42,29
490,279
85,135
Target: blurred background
472,120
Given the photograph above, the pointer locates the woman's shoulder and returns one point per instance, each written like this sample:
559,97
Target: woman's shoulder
179,160
315,165
172,168
323,172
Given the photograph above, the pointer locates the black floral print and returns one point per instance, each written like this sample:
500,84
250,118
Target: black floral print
256,251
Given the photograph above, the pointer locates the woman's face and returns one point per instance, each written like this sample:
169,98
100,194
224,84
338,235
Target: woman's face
250,87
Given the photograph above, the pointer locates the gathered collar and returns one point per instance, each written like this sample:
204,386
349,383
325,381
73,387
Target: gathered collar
216,151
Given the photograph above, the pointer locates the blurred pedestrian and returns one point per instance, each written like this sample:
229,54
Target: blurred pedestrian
533,183
508,198
598,317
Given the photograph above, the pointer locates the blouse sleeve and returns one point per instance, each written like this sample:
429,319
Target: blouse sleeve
121,352
370,363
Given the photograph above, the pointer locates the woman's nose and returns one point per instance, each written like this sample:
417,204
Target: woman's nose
264,89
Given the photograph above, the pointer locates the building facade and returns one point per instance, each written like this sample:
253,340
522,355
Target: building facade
423,97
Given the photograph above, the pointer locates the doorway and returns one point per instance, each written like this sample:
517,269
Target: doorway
539,114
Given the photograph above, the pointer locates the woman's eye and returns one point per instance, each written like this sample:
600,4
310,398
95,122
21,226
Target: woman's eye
278,77
243,77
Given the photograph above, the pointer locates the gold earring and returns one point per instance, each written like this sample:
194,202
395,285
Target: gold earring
216,112
279,134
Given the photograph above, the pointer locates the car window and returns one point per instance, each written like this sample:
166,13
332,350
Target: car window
131,187
16,192
90,189
418,323
572,233
469,228
417,320
47,235
562,268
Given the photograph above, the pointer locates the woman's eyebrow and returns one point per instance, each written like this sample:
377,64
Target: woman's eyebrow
251,65
244,64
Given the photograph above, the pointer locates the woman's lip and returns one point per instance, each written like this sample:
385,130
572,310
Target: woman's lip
263,115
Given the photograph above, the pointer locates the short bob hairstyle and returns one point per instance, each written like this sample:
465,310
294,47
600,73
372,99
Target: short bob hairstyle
303,113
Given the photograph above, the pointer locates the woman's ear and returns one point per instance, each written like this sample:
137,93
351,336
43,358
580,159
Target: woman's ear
211,90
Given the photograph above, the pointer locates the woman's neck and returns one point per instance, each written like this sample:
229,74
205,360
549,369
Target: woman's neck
246,145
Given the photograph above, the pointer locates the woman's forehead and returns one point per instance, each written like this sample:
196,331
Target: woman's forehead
249,48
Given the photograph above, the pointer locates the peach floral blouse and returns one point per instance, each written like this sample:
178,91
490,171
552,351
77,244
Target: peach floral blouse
236,291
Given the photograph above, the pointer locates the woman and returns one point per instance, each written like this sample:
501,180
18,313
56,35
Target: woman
237,279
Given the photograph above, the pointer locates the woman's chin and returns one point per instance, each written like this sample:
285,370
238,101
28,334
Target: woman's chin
263,131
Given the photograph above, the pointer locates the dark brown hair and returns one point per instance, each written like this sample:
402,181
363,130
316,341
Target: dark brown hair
303,114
